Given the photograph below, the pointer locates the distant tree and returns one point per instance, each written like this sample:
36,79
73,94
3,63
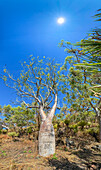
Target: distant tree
38,84
18,117
7,115
76,82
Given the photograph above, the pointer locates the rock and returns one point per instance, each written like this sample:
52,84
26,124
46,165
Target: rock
69,143
94,166
99,147
96,147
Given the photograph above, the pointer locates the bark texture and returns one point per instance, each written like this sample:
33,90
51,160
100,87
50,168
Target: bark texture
46,133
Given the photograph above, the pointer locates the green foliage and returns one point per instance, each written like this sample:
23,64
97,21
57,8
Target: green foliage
93,130
13,134
77,81
67,121
55,126
37,83
91,49
73,126
29,130
4,131
54,156
0,109
18,117
4,154
82,123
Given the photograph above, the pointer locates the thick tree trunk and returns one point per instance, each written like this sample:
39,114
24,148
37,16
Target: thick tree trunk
46,138
46,133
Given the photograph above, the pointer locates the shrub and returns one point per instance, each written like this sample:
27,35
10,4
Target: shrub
82,123
67,121
29,130
4,131
89,123
54,156
55,126
75,130
13,134
91,131
74,126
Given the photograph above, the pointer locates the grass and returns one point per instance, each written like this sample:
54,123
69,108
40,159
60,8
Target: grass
24,155
4,154
3,151
30,151
54,156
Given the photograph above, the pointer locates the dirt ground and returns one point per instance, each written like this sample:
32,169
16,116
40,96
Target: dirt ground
22,154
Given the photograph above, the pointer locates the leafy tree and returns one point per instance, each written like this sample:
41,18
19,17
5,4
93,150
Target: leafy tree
91,46
38,84
18,117
76,82
37,81
91,49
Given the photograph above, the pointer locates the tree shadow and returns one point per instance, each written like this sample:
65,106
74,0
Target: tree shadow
87,155
63,164
83,154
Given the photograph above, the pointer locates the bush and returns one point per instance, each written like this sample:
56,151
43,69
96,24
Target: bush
89,123
82,123
29,130
75,130
67,121
4,131
74,126
54,156
13,134
93,131
55,126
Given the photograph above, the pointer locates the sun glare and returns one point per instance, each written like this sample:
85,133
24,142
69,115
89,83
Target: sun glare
61,20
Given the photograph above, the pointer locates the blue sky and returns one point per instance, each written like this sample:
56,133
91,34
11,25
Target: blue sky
30,27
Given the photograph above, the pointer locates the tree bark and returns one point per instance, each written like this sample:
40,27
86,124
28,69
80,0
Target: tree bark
99,119
97,110
46,133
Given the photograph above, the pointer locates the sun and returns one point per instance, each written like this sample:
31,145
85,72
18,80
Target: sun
60,20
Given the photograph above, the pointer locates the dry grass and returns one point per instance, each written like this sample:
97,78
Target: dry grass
23,155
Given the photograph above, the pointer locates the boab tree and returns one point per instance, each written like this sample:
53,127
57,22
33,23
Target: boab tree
37,88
